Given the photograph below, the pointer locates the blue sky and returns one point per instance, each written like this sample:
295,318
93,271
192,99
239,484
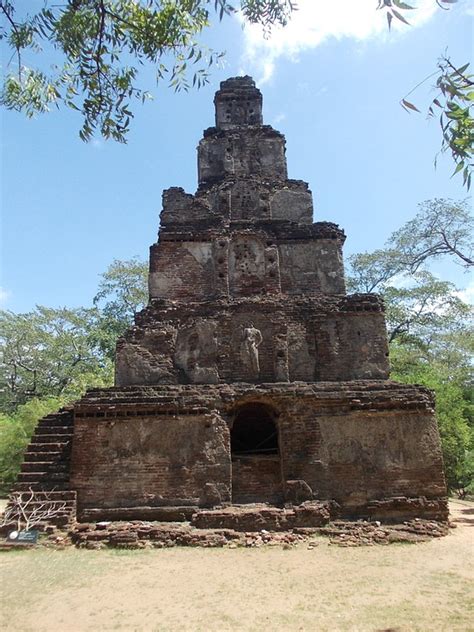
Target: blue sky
331,83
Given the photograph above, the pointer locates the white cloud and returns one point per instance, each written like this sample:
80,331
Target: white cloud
468,8
317,21
4,295
467,295
279,118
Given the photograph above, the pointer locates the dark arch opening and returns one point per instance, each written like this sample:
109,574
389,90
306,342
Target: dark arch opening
254,431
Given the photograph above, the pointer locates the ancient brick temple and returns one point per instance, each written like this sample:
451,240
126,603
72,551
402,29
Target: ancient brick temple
251,377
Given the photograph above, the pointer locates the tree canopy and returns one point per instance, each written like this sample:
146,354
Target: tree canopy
101,44
50,353
430,329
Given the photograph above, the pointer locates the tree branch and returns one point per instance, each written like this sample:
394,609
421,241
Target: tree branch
14,26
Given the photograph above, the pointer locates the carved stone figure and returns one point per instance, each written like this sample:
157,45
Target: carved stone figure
196,350
251,340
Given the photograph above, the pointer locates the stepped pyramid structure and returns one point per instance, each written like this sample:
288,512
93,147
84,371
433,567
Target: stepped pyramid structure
251,377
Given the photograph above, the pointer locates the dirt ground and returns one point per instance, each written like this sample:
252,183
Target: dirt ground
426,586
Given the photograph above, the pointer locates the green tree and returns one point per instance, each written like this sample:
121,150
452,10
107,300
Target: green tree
122,293
441,227
454,407
61,352
418,305
429,327
424,308
50,353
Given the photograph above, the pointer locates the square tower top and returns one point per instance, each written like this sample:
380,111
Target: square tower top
238,102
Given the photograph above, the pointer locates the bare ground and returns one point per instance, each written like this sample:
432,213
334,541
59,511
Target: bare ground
426,586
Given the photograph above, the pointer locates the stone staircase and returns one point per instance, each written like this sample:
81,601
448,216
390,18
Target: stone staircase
46,467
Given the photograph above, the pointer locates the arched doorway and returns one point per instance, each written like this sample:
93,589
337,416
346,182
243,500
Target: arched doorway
256,468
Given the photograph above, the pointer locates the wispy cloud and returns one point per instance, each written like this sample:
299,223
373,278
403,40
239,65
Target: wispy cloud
467,294
279,118
316,22
4,296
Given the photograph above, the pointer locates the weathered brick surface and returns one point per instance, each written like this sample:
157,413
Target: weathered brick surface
352,442
323,337
151,460
250,377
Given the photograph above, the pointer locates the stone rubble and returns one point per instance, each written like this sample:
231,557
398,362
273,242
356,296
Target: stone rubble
143,535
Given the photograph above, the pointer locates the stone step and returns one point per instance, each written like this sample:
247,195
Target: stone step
24,477
56,495
57,421
43,486
47,446
44,466
68,497
53,429
39,475
50,456
50,438
66,506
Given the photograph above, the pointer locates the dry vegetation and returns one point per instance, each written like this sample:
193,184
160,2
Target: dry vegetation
403,587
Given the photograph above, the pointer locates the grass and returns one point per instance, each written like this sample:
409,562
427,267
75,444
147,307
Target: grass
416,587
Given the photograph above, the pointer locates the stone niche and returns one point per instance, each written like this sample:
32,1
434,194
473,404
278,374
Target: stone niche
183,271
196,352
293,204
246,266
311,266
247,201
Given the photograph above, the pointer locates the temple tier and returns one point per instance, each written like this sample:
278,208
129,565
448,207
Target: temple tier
251,376
246,242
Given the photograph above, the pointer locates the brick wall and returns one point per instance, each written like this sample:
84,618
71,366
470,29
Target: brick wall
315,339
257,479
355,443
149,461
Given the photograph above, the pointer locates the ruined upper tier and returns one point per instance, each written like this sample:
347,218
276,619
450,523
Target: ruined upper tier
244,287
248,229
238,102
240,145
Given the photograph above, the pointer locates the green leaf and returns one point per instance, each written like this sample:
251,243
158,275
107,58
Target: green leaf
459,167
462,69
409,106
400,17
403,5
